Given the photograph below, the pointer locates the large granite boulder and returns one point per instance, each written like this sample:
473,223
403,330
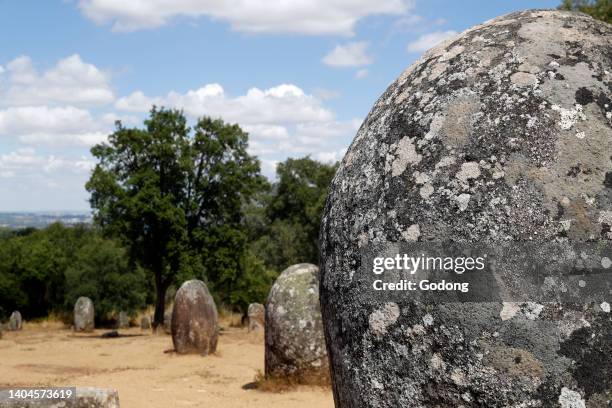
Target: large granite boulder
256,314
501,134
194,319
86,397
15,321
295,346
84,315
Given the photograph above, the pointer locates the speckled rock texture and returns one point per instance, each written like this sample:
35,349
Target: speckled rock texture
502,133
257,317
295,346
86,397
194,319
84,315
15,322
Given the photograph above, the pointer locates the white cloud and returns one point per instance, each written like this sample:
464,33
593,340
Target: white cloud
349,55
280,104
136,102
53,114
34,181
70,81
331,157
31,119
320,135
314,17
281,121
64,126
427,41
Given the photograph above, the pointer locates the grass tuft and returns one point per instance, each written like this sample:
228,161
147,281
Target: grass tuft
278,384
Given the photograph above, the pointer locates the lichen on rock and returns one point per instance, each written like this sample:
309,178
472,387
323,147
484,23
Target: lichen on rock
503,133
295,346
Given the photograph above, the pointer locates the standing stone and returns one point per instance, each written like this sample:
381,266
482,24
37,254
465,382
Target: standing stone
86,397
194,319
123,321
168,320
295,345
15,322
257,316
145,323
500,134
84,315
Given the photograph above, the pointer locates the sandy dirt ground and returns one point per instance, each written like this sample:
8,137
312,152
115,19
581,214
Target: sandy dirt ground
144,375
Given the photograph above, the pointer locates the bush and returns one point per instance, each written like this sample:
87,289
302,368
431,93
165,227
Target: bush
101,272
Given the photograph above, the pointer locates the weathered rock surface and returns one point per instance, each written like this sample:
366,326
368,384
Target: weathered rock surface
257,316
194,319
15,322
123,321
500,134
86,397
84,315
295,345
145,323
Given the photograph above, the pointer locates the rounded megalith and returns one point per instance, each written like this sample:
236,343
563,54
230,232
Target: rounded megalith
83,315
145,323
123,320
500,136
256,314
15,322
295,346
194,319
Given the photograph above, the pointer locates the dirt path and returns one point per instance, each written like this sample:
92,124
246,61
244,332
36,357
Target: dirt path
144,375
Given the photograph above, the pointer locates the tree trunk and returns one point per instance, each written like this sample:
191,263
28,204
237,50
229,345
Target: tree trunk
160,302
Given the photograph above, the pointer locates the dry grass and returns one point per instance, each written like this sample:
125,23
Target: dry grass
227,318
290,382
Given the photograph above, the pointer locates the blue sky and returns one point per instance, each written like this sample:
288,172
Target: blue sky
299,75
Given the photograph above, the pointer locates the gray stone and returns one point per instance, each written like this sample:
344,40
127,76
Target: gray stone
15,322
194,319
168,320
509,123
123,321
295,346
257,316
145,323
86,397
84,315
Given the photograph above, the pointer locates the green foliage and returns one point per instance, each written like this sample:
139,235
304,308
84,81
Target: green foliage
599,9
101,272
174,197
172,204
284,221
45,271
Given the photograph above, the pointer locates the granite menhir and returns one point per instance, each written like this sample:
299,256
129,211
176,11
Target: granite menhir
295,346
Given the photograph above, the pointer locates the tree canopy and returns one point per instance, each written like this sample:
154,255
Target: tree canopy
599,9
284,221
174,197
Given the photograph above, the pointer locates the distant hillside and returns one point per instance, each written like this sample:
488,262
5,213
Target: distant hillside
14,220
